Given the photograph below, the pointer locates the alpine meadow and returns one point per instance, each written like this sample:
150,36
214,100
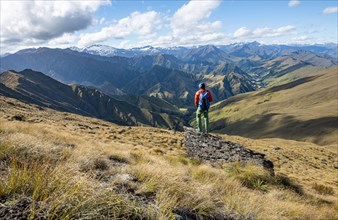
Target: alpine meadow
183,110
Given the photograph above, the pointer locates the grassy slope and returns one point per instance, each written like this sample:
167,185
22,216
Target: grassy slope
302,72
37,88
305,109
74,165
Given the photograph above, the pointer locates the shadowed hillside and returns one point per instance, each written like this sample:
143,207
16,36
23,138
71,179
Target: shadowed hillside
37,88
179,88
118,75
305,109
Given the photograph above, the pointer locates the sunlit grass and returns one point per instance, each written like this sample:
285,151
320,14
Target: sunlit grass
144,173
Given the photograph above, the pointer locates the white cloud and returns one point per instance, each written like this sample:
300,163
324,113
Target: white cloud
245,34
142,24
293,3
330,10
243,31
124,44
270,32
45,20
64,41
189,15
216,38
301,39
305,39
208,27
187,40
102,20
55,24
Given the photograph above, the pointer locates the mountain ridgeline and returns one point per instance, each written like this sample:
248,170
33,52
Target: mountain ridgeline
36,88
228,70
156,86
304,109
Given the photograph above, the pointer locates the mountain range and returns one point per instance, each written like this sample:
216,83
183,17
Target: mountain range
236,50
228,70
156,86
36,88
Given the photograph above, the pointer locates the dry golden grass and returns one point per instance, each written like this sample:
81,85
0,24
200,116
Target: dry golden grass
304,110
72,166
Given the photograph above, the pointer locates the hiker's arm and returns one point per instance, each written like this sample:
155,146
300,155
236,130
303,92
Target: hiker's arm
197,97
210,97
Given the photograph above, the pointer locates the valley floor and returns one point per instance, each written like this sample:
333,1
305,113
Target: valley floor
58,165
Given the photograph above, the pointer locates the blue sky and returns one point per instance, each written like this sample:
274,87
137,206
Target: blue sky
165,23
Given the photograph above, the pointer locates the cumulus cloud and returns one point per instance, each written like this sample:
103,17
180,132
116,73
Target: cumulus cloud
142,24
271,32
243,31
301,39
187,18
187,40
330,10
263,32
45,20
293,3
64,41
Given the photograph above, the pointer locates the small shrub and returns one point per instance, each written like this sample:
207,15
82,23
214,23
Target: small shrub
159,151
137,155
195,161
259,185
178,160
100,164
183,160
118,158
251,176
203,173
324,190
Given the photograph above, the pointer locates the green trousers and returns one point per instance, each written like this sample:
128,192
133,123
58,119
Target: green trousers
199,113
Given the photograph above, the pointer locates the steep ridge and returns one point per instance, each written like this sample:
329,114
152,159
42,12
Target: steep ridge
35,87
69,66
228,70
178,87
305,109
113,74
172,85
208,53
257,51
150,102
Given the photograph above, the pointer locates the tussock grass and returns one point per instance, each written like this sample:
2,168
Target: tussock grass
68,173
118,158
251,176
256,177
321,189
182,160
206,191
58,192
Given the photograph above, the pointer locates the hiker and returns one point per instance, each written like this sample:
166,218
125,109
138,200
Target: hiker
203,98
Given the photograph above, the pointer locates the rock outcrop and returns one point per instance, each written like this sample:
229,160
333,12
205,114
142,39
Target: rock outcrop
211,148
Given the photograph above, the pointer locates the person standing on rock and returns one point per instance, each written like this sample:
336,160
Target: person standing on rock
203,98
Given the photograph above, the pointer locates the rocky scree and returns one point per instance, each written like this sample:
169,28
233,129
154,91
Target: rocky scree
211,148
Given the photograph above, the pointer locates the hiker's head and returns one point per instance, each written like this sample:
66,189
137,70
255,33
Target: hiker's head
201,85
